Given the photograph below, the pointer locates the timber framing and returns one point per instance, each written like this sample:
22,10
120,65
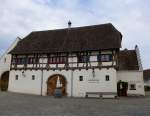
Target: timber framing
71,61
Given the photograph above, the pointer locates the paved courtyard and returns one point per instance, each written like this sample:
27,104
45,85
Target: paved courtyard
12,104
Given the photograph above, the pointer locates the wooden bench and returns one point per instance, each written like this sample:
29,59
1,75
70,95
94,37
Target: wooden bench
102,94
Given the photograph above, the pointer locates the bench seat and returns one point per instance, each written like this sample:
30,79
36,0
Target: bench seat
101,94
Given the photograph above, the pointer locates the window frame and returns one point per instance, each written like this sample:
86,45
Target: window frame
80,78
33,77
99,58
16,77
57,60
133,88
32,60
83,58
107,78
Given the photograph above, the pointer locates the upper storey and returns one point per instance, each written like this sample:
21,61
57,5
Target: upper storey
79,39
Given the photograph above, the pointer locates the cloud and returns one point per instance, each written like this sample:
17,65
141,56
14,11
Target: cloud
131,17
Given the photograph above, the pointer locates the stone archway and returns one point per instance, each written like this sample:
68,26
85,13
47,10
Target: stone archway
4,81
52,82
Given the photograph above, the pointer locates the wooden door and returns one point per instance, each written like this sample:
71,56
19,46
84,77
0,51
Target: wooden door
122,88
52,82
4,81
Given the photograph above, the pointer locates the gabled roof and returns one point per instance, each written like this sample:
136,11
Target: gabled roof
95,37
128,60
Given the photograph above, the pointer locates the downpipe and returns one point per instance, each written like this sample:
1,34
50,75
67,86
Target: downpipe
42,79
72,78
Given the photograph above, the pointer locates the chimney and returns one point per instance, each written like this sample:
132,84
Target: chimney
69,24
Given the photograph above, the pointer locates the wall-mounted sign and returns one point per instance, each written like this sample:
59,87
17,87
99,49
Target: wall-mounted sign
93,81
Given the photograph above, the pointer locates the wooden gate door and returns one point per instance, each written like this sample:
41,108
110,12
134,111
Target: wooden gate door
4,81
52,82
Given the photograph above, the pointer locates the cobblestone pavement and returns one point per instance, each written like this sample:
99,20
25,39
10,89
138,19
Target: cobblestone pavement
12,104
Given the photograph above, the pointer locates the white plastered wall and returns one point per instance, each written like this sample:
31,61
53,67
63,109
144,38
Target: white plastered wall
75,88
96,83
132,77
25,84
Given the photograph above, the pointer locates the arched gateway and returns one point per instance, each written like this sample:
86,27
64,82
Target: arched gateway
4,79
52,84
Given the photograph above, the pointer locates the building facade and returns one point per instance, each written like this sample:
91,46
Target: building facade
85,60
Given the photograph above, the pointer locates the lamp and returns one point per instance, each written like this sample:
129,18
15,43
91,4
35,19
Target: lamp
23,74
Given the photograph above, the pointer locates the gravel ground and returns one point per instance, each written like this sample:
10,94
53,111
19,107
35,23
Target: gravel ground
12,104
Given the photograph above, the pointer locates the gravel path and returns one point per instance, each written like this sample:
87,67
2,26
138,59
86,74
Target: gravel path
12,104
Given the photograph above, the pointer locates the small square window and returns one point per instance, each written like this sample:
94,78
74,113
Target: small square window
33,77
16,77
132,87
80,78
107,77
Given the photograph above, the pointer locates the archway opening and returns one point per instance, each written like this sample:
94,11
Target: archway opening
52,84
4,80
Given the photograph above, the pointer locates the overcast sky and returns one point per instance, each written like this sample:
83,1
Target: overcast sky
130,17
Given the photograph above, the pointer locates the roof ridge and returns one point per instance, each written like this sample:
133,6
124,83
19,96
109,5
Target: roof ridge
73,28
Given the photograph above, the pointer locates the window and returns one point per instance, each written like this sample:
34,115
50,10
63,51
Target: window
33,77
14,61
62,60
107,77
132,87
83,59
57,60
32,60
16,77
104,58
80,78
20,61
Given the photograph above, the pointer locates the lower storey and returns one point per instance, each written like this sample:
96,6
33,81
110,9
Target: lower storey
75,83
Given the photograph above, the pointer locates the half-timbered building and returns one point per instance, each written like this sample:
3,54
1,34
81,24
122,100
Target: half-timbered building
85,60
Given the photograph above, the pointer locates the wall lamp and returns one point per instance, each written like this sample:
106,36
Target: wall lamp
23,74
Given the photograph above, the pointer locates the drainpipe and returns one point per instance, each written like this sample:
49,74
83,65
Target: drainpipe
41,82
72,78
71,83
42,79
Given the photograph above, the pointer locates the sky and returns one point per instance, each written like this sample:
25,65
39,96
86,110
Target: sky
131,17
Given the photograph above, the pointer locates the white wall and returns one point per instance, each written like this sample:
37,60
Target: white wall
132,77
25,84
94,84
98,83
